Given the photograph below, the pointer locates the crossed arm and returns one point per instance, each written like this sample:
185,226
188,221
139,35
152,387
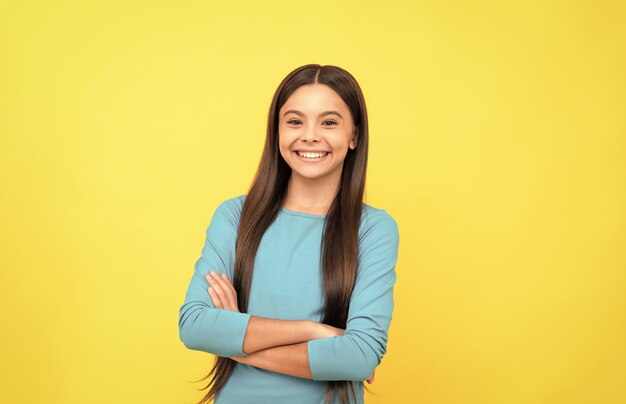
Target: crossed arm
277,345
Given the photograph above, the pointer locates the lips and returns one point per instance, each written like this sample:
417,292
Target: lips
312,159
301,152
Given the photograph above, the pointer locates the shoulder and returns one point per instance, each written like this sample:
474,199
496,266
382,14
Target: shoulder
377,223
228,211
231,206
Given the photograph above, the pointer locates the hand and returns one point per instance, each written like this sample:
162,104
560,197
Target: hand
370,379
222,292
325,331
240,359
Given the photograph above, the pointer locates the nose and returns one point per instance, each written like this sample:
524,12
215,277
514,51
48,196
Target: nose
310,135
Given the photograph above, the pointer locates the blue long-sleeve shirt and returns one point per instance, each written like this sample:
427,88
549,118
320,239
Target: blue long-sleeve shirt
287,284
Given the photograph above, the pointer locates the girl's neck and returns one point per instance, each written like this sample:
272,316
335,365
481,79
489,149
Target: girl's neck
310,196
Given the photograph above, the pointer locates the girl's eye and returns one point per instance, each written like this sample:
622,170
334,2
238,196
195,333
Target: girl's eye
297,122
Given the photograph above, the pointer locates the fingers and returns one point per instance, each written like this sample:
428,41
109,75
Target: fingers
215,298
370,379
229,284
222,292
229,289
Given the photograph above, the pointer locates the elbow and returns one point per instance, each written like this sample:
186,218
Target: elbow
358,368
185,334
187,339
186,342
193,341
190,342
190,326
367,363
367,357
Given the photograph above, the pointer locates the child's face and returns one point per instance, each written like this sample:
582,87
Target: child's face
304,123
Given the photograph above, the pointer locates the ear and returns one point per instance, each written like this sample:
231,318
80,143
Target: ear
354,140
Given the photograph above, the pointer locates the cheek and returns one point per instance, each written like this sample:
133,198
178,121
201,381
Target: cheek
283,147
283,134
281,139
283,151
340,144
286,139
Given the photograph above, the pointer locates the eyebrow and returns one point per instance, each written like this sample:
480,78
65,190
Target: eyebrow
323,113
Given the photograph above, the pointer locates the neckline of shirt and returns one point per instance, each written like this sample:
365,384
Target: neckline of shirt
302,214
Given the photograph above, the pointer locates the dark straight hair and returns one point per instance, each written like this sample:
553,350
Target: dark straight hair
339,246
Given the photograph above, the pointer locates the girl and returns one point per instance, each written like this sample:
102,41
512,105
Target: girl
306,316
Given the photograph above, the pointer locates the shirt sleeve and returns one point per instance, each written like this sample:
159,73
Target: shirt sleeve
201,326
354,355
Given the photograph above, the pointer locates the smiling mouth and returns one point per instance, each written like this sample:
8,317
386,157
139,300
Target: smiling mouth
312,155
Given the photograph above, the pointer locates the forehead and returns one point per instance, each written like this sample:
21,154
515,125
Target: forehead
312,98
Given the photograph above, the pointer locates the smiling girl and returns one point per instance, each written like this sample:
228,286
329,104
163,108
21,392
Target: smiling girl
293,292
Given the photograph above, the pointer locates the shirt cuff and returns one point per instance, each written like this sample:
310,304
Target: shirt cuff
321,367
235,332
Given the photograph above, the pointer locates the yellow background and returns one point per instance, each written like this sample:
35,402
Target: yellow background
498,143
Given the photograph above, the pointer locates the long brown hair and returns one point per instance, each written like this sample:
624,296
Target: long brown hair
262,204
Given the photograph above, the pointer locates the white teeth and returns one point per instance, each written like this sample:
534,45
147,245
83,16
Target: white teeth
312,155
